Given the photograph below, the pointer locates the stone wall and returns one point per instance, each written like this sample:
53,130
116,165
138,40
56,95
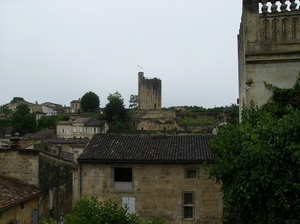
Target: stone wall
19,164
154,120
149,95
158,190
56,175
269,46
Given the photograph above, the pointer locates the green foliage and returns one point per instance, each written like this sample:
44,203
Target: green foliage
47,122
23,121
49,221
232,114
90,102
133,101
258,163
282,98
115,109
201,121
6,112
90,210
5,123
17,98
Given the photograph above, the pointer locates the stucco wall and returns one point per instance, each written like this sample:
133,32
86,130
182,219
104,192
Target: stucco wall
24,215
158,190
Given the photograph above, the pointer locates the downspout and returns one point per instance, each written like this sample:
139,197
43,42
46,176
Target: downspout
80,179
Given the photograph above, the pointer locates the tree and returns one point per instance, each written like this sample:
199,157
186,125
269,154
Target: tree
115,108
258,162
23,121
133,101
90,210
90,101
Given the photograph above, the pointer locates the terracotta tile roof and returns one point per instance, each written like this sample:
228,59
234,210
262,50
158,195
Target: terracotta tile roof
140,148
12,193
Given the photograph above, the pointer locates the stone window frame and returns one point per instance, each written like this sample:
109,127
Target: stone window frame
187,174
188,207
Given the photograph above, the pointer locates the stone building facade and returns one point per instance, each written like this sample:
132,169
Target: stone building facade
156,177
48,171
149,93
154,120
268,48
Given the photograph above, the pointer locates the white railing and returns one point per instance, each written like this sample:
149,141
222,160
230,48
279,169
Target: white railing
274,6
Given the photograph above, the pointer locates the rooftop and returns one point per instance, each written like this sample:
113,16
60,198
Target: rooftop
142,148
13,192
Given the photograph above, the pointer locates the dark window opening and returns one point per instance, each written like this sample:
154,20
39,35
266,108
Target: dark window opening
191,174
188,205
22,205
123,174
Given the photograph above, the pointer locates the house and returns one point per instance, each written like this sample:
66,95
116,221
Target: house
51,172
19,203
75,106
160,176
30,139
80,128
52,108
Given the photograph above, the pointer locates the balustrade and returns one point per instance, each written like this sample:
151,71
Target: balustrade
272,6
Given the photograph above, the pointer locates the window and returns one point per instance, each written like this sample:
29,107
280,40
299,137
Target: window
50,199
191,174
22,205
86,129
188,205
74,129
95,130
62,130
129,202
122,178
35,216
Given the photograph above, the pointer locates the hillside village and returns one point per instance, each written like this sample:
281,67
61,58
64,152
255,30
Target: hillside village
156,164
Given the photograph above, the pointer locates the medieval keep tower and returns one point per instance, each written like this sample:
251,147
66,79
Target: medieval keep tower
268,48
149,93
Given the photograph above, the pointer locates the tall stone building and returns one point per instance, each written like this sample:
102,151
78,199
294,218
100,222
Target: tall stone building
268,48
149,93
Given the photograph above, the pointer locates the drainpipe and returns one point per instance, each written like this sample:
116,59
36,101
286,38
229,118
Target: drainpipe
80,179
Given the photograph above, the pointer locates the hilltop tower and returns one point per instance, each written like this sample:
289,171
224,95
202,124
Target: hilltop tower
268,48
149,93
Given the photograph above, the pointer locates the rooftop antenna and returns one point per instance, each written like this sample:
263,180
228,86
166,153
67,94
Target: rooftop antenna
140,68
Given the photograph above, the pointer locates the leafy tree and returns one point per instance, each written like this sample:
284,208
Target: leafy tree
23,121
133,101
115,108
6,112
258,162
90,101
90,210
233,114
17,98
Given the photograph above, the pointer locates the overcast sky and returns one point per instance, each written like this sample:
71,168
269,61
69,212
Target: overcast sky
57,50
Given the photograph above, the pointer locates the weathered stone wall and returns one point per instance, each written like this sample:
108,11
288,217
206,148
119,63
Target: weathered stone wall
269,49
21,164
158,190
149,93
154,120
16,213
55,174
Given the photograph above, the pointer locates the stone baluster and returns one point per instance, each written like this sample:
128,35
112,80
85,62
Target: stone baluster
293,5
274,6
283,6
264,6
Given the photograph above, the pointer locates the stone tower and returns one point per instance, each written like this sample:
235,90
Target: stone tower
268,48
149,93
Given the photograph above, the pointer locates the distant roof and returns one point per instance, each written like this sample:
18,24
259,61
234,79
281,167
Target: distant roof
140,148
75,101
95,123
85,121
42,134
12,193
77,141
